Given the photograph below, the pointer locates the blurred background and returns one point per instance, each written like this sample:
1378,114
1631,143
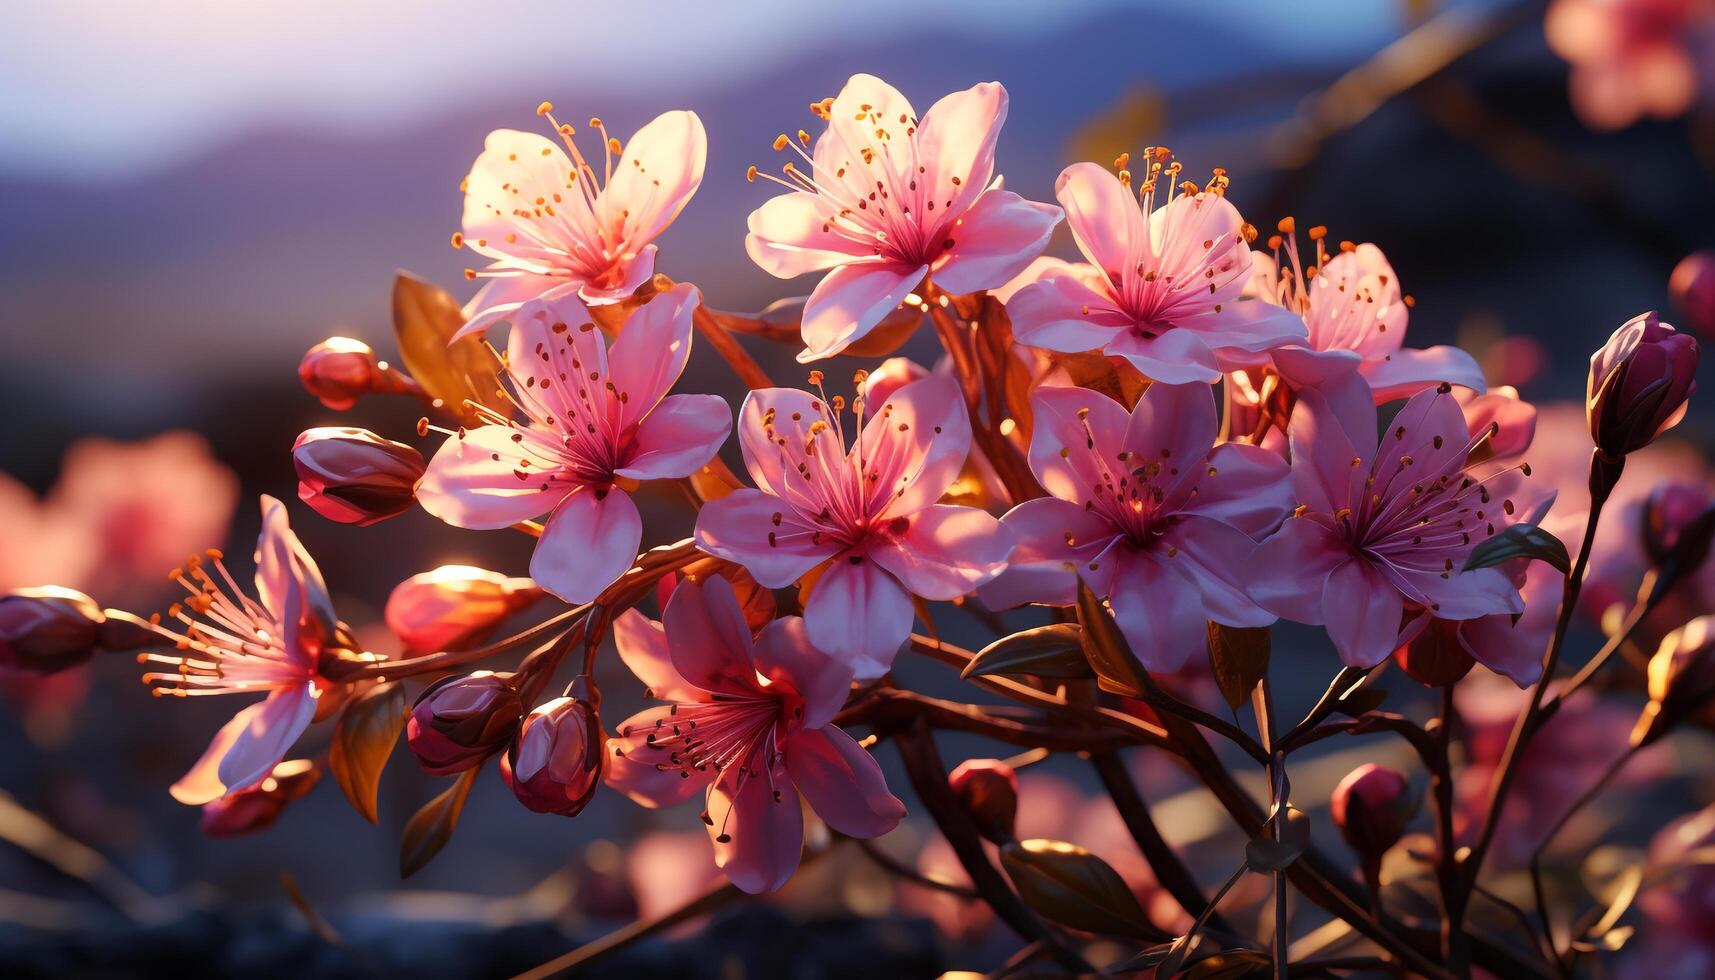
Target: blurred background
191,194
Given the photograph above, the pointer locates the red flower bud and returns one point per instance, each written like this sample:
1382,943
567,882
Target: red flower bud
1371,806
339,370
47,629
554,765
1639,382
1692,287
354,476
454,607
1681,679
257,807
989,790
460,721
1679,519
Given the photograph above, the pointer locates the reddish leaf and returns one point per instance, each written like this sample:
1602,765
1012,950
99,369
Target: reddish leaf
1117,668
1075,888
362,741
1239,657
1047,651
432,826
425,317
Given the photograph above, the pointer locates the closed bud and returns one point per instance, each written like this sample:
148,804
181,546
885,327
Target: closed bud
1371,806
454,607
255,808
1692,287
1681,679
989,790
554,763
48,629
354,476
460,721
1679,519
1638,386
338,371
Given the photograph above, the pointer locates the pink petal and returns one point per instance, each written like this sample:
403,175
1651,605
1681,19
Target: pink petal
859,613
1513,417
502,295
1407,372
956,140
658,171
758,838
1251,489
1461,595
590,539
842,783
1052,534
784,654
740,527
791,235
290,585
1288,573
1504,647
993,242
915,443
247,748
1040,268
621,278
1362,610
1062,313
1215,558
945,551
1356,304
1157,609
678,437
1177,356
1068,453
1327,467
651,351
631,763
552,351
1105,219
516,166
1334,374
1175,426
774,464
467,487
642,645
709,638
1247,326
849,301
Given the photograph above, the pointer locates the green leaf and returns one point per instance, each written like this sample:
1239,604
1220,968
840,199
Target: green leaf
432,826
1239,657
363,739
1075,888
1520,541
425,318
1117,668
1265,854
1046,651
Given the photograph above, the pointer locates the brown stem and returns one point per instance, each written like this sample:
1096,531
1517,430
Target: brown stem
1454,950
906,872
1583,800
346,671
987,722
742,364
959,341
1169,870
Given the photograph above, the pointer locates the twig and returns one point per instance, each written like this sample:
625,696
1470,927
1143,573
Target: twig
742,364
1169,870
1583,800
899,869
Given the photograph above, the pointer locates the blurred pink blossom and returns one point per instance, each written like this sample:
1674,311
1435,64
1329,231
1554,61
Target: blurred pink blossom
1633,58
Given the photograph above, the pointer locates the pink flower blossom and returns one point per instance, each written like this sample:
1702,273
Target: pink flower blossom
233,644
888,201
591,416
1163,284
1356,314
749,722
1632,58
868,514
1146,510
556,227
1383,526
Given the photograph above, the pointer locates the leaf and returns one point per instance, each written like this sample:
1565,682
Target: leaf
1361,701
1117,668
1075,888
425,317
432,826
363,739
1520,541
1264,854
1046,651
1239,656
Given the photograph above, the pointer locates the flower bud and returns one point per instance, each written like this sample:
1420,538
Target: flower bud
46,630
1371,806
354,476
338,371
1681,679
454,607
256,807
1435,657
1639,382
1692,287
554,764
1678,521
460,721
989,790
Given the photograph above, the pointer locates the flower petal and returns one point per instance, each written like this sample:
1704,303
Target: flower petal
1362,610
842,783
1215,558
642,645
1251,489
709,638
1408,371
1056,539
1175,426
945,551
1064,313
849,301
859,613
758,837
792,234
247,748
1105,219
1330,454
588,543
1288,573
784,654
914,444
651,351
956,141
1077,431
656,174
466,486
631,764
678,437
290,585
994,241
1175,357
1157,609
740,527
514,167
